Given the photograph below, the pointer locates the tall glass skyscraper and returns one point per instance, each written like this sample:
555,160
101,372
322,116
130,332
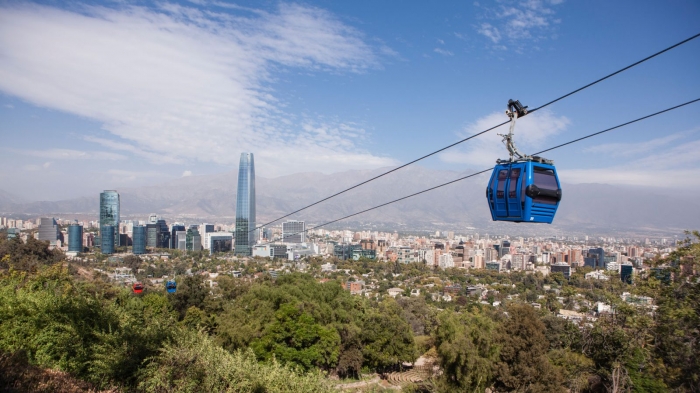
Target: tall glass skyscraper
75,238
245,206
139,240
107,246
109,213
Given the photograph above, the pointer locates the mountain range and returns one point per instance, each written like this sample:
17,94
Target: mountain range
585,208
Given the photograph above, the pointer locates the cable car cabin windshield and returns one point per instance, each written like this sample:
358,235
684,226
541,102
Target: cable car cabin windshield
546,181
524,191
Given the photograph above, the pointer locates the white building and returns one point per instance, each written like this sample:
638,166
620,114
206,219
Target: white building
218,241
446,261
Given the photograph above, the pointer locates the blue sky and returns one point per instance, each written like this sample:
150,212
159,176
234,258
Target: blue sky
124,94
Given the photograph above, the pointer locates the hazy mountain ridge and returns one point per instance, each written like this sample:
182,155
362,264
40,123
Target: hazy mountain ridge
585,207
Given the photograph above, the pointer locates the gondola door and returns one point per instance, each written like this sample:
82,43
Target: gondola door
513,195
501,207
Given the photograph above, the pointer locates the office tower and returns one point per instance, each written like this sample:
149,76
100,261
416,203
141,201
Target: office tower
245,206
109,214
203,230
163,234
107,239
561,267
139,239
218,242
157,233
504,249
293,232
75,238
491,254
193,241
181,240
174,229
596,258
626,272
48,230
152,234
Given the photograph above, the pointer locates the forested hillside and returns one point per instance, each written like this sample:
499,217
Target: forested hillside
65,331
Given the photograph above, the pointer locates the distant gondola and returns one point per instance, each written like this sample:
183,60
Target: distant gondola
137,287
171,286
523,188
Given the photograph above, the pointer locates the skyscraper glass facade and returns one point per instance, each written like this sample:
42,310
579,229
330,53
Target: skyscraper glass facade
48,230
75,238
107,244
193,239
174,229
139,239
109,214
245,206
294,232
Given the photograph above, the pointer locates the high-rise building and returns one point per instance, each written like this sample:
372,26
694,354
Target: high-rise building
157,233
48,230
75,238
245,206
193,239
107,239
294,232
152,235
109,214
174,229
203,230
181,240
504,249
595,258
139,239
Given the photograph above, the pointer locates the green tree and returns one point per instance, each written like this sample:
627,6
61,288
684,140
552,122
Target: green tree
524,365
467,349
386,337
193,363
294,337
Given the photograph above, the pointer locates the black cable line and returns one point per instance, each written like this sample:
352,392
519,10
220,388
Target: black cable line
485,170
618,126
478,134
618,71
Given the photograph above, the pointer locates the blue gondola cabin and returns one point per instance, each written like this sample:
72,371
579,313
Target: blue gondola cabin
171,286
524,191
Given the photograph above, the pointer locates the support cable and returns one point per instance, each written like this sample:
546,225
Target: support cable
485,170
480,133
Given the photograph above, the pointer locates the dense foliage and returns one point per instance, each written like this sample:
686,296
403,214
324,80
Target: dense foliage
292,333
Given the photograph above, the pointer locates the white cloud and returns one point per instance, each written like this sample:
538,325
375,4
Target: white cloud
120,176
443,52
520,23
186,173
179,83
530,134
68,154
635,148
489,31
680,179
652,163
9,106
